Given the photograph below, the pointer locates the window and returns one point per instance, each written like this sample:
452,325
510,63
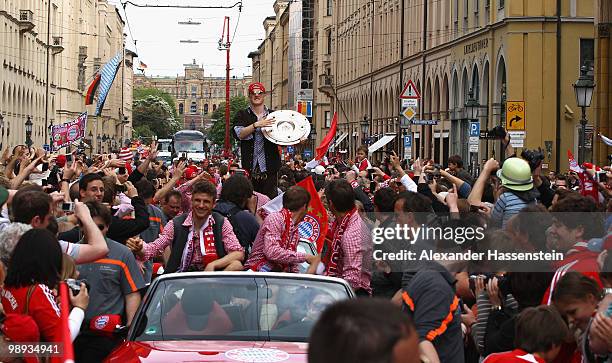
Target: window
327,119
214,108
465,8
502,4
181,108
194,107
329,41
205,108
587,53
476,6
456,10
329,6
194,91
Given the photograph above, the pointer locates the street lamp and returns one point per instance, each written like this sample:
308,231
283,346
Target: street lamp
313,137
365,127
28,130
584,93
471,107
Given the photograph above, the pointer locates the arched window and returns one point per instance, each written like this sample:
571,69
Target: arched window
194,107
205,108
214,108
181,108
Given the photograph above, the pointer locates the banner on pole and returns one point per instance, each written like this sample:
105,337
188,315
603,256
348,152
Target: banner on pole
66,133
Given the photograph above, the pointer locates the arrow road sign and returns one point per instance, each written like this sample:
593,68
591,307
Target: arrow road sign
515,116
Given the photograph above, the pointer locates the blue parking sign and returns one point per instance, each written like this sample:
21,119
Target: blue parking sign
408,141
290,149
474,128
307,153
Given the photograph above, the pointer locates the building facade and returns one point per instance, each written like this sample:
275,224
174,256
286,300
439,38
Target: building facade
494,50
500,50
603,90
197,96
67,50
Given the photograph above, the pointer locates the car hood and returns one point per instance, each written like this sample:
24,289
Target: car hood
208,351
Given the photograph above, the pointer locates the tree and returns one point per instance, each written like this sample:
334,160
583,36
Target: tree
153,115
217,131
142,93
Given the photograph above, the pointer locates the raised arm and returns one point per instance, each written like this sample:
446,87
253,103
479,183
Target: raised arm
489,167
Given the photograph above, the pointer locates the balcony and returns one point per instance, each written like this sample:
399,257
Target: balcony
325,84
58,45
26,20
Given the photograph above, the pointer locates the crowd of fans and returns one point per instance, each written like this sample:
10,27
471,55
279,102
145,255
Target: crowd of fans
113,222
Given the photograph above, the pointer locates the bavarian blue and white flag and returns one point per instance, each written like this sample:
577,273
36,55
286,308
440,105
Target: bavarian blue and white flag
107,73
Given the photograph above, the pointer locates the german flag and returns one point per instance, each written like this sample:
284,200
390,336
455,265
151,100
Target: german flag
91,91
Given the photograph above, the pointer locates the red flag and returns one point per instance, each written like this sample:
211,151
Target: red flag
314,226
322,148
66,339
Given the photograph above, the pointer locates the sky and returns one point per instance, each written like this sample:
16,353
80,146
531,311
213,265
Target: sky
157,34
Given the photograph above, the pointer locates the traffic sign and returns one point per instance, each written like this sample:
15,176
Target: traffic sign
424,122
473,148
515,116
474,128
410,102
408,141
307,153
410,91
290,149
409,113
517,142
474,140
46,147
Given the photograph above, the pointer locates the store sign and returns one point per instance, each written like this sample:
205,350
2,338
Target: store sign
476,46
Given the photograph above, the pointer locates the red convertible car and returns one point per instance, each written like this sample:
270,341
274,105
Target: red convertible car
228,317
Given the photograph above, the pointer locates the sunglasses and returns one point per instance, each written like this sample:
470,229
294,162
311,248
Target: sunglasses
257,92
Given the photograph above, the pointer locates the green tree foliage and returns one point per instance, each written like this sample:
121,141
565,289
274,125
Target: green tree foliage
153,115
217,131
141,93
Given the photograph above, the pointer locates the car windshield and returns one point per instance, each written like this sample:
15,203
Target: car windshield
188,146
241,308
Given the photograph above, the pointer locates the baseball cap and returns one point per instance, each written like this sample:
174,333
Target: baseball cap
20,328
191,172
319,169
256,86
60,160
4,194
105,324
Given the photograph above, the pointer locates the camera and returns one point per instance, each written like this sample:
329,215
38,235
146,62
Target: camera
68,206
602,177
120,188
533,157
496,133
75,285
503,282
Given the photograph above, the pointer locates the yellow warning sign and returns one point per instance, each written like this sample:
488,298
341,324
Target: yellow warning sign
515,115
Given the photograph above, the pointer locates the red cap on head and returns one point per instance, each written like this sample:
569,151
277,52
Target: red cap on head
191,172
256,86
105,324
60,160
20,328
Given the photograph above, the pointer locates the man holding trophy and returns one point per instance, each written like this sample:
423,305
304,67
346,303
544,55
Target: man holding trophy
260,157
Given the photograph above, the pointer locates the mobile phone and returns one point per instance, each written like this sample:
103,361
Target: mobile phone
120,188
121,170
68,206
45,167
68,157
44,182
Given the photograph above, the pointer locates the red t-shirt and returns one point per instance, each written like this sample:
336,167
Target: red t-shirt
42,308
517,355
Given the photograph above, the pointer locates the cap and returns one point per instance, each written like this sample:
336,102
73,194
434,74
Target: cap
4,194
191,172
20,328
256,86
105,324
60,160
319,169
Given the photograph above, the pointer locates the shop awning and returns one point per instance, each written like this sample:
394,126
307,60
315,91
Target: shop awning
380,143
339,139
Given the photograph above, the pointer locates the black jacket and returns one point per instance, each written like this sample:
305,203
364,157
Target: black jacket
246,118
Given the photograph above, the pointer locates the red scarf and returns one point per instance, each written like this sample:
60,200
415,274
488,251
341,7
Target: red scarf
207,247
286,242
332,255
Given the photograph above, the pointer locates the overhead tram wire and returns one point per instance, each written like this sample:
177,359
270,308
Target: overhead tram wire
124,3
